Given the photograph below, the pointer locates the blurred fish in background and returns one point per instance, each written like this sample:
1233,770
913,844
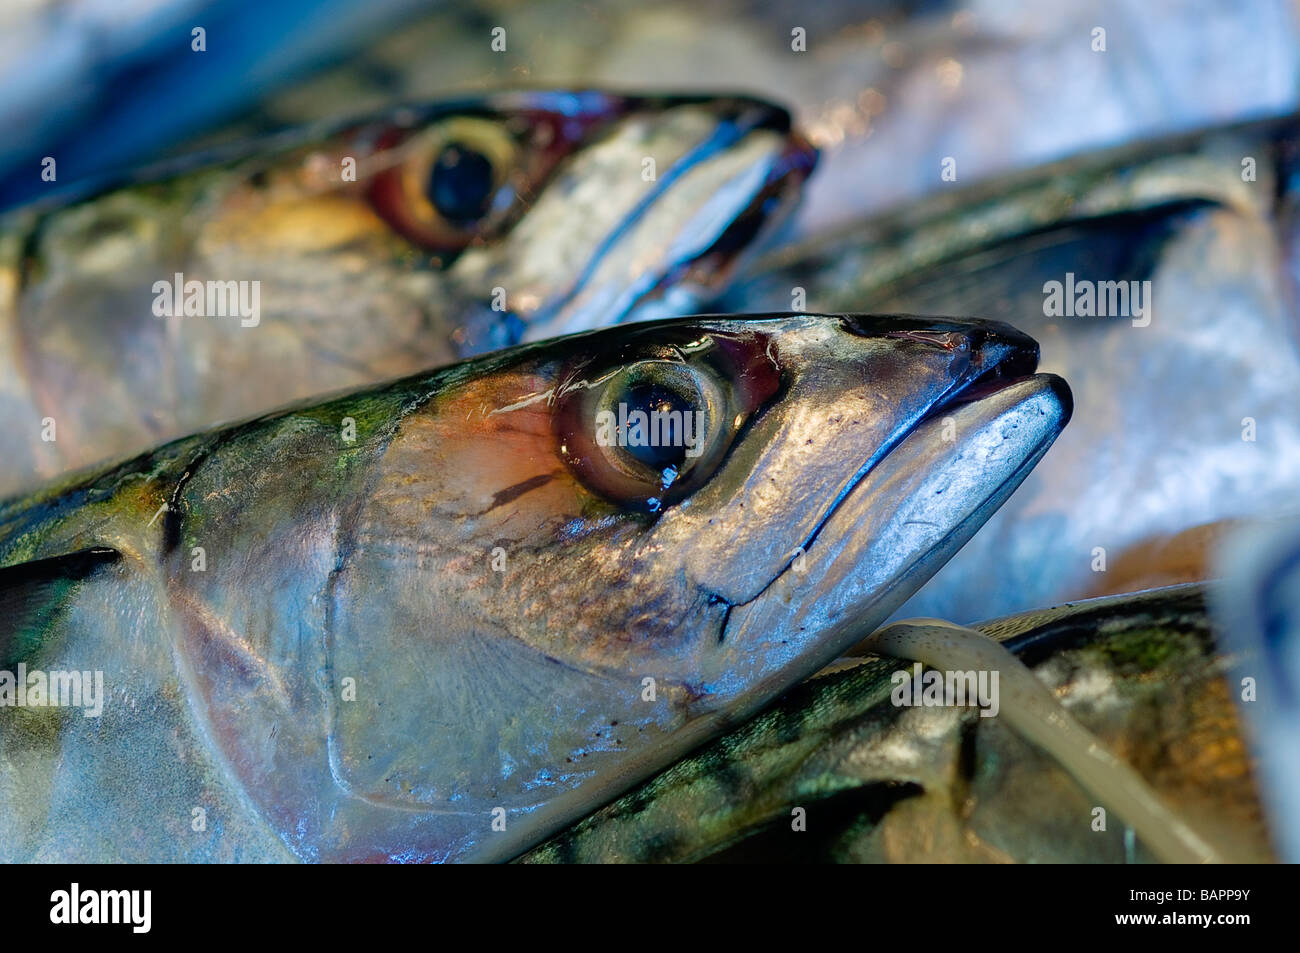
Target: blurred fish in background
1258,607
102,84
886,88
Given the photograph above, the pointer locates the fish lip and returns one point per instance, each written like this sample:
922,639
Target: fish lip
995,381
982,383
790,169
1002,356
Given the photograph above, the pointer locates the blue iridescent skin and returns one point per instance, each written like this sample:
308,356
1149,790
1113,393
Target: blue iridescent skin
469,625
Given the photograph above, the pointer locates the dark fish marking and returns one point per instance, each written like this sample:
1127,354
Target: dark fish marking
1035,638
34,594
967,758
172,517
839,818
512,493
726,617
176,507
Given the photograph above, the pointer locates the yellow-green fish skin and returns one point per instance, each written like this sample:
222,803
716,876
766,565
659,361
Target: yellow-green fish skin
881,784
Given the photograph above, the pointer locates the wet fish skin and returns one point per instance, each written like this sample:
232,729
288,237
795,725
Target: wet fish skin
362,281
524,689
1136,465
879,783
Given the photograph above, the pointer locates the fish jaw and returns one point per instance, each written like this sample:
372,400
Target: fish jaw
894,529
683,187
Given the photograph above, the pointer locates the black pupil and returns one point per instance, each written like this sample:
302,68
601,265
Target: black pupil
660,440
461,184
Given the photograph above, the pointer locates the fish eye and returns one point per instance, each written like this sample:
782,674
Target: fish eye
451,184
461,184
647,433
654,401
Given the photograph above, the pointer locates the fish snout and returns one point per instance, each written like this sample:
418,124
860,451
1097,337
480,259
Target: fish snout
985,356
788,161
797,158
992,344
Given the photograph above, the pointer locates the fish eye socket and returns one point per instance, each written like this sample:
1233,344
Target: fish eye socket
449,185
654,419
647,433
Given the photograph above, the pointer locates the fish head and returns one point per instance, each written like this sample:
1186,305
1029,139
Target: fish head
561,595
532,214
638,208
832,463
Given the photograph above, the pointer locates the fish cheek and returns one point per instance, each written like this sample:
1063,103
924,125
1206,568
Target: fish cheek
502,469
343,300
581,578
295,225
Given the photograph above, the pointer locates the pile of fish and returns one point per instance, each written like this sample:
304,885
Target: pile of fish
330,531
836,772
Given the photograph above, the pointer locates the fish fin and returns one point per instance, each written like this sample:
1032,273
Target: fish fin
33,594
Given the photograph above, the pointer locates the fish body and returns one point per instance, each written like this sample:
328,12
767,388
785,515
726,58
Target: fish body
846,768
1160,282
440,619
336,256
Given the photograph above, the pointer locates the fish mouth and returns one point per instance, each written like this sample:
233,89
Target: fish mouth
1001,356
770,205
911,506
999,385
684,237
